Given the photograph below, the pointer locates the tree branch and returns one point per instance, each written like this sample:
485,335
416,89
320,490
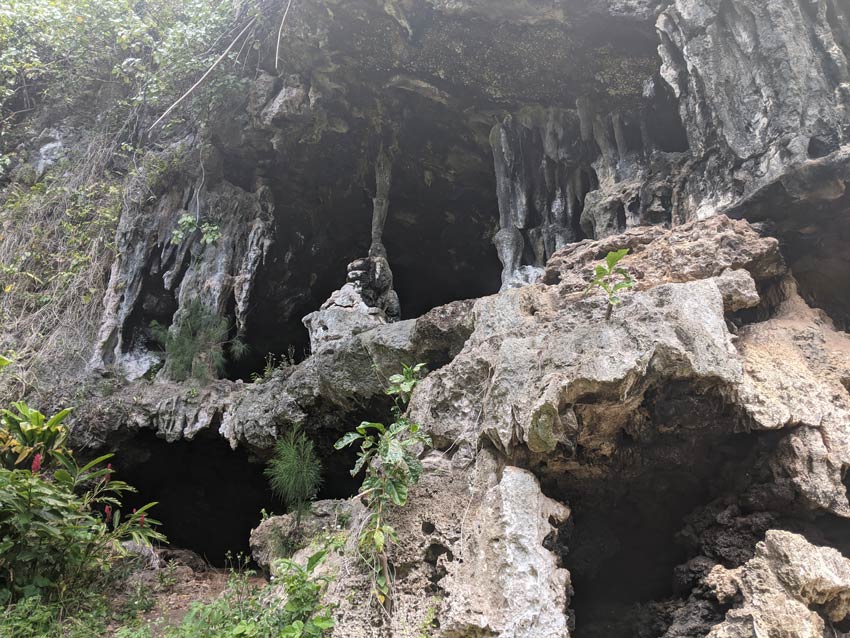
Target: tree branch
204,76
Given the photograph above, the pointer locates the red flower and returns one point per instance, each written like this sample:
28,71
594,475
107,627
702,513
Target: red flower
36,463
108,511
142,520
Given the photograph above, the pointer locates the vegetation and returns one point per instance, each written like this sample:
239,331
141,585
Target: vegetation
194,347
243,610
105,69
295,471
612,279
61,525
274,363
187,225
388,453
27,432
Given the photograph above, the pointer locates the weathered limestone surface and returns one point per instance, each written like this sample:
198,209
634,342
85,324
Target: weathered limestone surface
327,391
445,138
546,390
776,591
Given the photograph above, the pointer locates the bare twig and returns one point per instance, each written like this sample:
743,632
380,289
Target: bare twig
204,76
280,35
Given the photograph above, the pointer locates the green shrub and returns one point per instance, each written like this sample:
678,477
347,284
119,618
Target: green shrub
27,432
242,611
295,471
194,347
303,614
612,279
55,542
392,468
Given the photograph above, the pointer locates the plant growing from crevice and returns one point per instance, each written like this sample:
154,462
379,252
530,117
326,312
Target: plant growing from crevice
274,363
295,472
194,347
388,454
612,279
188,224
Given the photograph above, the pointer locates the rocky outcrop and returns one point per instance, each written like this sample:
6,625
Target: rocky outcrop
411,154
790,587
547,392
329,391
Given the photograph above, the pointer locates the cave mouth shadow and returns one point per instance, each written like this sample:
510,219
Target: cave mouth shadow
209,497
624,539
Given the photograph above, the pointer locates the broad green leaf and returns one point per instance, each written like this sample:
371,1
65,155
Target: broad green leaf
314,560
397,491
615,257
347,440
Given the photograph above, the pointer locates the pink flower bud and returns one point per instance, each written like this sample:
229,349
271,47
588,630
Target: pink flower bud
36,464
108,511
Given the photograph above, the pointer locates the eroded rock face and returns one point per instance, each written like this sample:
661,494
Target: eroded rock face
789,588
546,392
328,391
463,145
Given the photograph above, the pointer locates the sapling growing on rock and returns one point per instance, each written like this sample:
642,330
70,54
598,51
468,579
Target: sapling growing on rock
388,453
295,471
612,279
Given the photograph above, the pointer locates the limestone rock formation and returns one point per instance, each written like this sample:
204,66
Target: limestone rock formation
778,588
679,470
646,407
367,300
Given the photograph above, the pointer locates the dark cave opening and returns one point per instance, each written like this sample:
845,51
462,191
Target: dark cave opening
209,496
624,539
442,216
813,234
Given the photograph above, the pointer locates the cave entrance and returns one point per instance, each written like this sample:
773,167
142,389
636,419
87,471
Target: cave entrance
683,450
209,496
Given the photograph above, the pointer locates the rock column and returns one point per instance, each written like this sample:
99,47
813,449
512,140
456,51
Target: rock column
367,299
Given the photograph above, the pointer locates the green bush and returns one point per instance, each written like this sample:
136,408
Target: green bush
26,432
194,347
242,611
295,471
392,468
55,542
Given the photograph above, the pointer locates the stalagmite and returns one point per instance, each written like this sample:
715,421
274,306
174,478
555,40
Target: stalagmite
367,299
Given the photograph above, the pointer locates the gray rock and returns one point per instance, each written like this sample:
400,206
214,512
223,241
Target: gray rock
774,593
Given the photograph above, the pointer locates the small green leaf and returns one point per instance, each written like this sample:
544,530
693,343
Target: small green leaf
347,440
378,539
397,491
615,257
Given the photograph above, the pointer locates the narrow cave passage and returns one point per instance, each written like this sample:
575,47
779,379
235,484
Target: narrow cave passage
209,497
625,538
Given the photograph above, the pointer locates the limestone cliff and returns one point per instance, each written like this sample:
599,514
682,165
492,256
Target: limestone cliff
435,180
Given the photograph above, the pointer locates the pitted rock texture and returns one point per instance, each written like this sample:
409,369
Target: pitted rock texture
430,118
547,405
328,391
789,588
366,300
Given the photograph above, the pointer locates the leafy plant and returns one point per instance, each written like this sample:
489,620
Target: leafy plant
188,224
303,614
242,613
53,541
194,347
392,468
295,471
26,432
274,363
612,279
